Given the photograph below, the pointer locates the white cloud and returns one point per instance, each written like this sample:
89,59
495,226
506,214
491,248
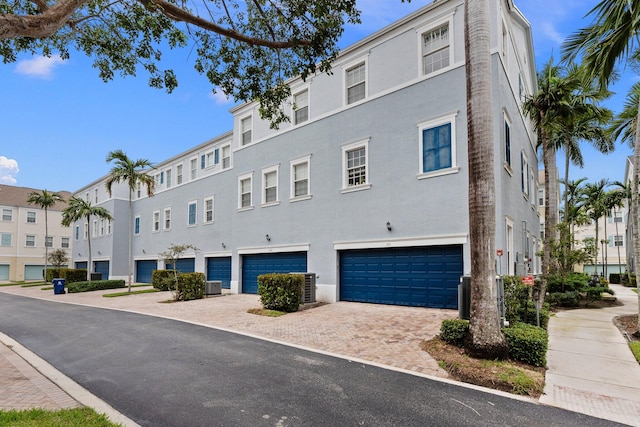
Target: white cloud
551,33
8,170
219,97
40,67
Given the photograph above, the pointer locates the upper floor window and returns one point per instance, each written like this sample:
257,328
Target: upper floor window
77,232
507,143
167,219
524,173
7,215
244,192
169,178
355,160
194,168
618,240
300,178
136,225
156,221
102,227
246,125
270,186
64,243
437,146
48,241
95,196
30,241
95,228
108,227
5,239
31,217
356,83
301,107
435,49
208,210
178,174
226,157
191,213
86,230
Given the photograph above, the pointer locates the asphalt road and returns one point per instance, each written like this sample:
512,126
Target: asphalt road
160,372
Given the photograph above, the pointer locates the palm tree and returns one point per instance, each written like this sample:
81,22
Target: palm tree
45,199
486,339
574,200
595,204
612,37
79,209
133,174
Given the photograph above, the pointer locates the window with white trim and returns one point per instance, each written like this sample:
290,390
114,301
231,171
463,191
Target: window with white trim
524,173
269,185
209,157
300,178
156,221
136,225
244,192
178,174
5,239
102,226
86,230
167,219
64,243
507,142
169,183
208,210
31,217
48,241
30,241
95,195
7,214
301,107
108,227
246,129
226,157
194,168
438,146
192,216
435,49
95,228
77,232
355,161
618,240
356,83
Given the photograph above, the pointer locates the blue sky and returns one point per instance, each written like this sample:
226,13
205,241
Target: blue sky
60,120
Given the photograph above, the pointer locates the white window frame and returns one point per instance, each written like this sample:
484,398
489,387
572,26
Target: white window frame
618,238
292,168
346,149
108,227
178,174
268,171
95,195
510,249
348,67
137,222
448,20
65,242
296,107
206,210
156,221
193,168
208,159
168,174
3,238
76,233
101,232
246,132
86,230
508,157
7,215
246,177
48,241
524,174
166,219
433,123
30,241
226,160
94,228
32,215
193,203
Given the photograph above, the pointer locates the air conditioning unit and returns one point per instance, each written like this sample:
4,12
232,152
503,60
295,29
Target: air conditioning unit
308,288
213,287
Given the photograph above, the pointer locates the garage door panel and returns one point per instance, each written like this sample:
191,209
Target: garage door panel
219,268
144,270
255,265
421,276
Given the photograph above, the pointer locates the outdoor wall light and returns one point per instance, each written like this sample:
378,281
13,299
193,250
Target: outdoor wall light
268,238
388,226
99,253
223,245
79,254
144,252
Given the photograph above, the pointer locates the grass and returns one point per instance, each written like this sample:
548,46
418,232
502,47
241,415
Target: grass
123,294
265,312
32,284
77,417
635,349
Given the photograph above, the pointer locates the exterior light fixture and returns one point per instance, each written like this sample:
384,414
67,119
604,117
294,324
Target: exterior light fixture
144,252
268,238
388,226
223,245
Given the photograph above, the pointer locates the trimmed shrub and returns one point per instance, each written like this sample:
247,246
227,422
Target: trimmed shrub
594,293
453,331
564,299
516,295
282,292
190,286
528,315
96,285
163,280
527,343
625,280
71,275
570,282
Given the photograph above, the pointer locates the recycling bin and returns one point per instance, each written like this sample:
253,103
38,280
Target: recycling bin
58,286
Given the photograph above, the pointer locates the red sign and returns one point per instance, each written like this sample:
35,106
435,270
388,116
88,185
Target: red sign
528,280
500,252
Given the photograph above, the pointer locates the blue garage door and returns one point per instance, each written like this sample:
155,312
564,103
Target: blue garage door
420,277
255,265
102,267
219,268
144,270
184,265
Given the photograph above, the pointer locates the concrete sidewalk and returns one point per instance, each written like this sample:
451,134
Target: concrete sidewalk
583,343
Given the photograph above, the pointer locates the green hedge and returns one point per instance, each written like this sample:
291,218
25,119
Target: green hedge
71,275
564,299
527,343
282,292
625,280
528,315
96,285
190,286
453,331
163,280
568,283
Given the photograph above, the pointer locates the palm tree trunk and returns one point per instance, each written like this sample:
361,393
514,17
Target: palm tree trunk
130,238
634,208
486,339
46,248
90,264
550,207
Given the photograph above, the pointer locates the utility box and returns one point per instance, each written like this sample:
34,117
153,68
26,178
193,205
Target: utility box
464,298
213,287
58,286
308,288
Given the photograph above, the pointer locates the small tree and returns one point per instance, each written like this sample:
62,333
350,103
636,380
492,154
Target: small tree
171,257
59,258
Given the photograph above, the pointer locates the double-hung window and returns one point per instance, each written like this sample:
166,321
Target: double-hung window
226,157
192,213
435,49
167,219
77,232
524,173
507,143
208,210
301,107
95,228
30,241
178,174
618,240
356,83
136,225
156,221
7,215
169,178
355,174
244,192
48,241
269,186
31,217
209,159
300,178
246,126
64,242
193,164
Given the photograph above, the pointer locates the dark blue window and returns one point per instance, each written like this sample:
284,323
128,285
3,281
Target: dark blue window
192,214
436,148
507,143
136,226
216,156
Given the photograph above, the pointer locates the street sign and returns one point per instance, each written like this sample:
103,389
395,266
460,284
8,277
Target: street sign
528,280
500,252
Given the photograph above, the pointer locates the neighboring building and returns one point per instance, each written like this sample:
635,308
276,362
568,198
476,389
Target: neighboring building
22,234
367,187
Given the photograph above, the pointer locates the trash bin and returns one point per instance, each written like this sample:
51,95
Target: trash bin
58,286
464,298
96,276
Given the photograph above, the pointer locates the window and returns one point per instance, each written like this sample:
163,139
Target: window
194,168
437,148
226,156
209,158
138,190
354,158
7,215
86,230
30,241
156,221
524,173
77,232
435,49
507,143
136,225
246,128
216,156
64,242
244,192
192,208
95,228
102,227
270,186
5,239
168,178
300,178
48,241
95,196
178,174
31,217
208,210
167,219
618,240
356,83
301,107
108,227
617,216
